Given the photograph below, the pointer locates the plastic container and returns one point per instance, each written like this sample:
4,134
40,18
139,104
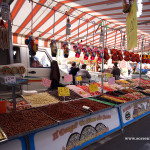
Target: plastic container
2,107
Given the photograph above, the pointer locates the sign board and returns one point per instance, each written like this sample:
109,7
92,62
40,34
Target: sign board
46,82
63,91
131,28
111,81
79,78
134,110
68,78
10,80
93,88
78,133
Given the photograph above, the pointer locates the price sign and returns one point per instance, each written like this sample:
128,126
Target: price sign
111,81
46,82
68,78
79,78
108,75
63,91
10,80
93,88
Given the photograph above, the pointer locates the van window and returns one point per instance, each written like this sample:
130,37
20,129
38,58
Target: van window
16,54
40,60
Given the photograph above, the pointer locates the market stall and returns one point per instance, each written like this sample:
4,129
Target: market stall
69,116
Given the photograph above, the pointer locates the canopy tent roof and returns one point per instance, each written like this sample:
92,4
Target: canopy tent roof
94,11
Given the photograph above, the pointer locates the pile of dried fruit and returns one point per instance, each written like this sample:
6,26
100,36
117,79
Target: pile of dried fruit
18,122
40,99
94,106
61,111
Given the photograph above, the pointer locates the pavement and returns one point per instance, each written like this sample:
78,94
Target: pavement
116,141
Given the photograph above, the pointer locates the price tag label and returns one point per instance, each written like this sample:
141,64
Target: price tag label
68,78
46,82
79,78
111,81
93,88
108,75
63,91
10,80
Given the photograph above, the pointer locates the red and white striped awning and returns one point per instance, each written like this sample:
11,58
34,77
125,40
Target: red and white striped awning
94,11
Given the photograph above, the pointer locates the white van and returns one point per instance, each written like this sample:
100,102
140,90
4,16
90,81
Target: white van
34,71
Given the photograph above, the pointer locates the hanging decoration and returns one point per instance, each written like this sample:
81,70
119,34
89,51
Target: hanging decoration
93,52
66,49
106,54
78,48
53,41
66,45
120,56
127,6
99,54
137,56
88,49
127,56
33,47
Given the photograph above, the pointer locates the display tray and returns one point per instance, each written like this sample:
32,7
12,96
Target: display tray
19,122
62,111
93,105
72,96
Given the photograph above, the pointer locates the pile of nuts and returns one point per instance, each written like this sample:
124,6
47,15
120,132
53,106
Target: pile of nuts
18,122
40,99
61,111
94,106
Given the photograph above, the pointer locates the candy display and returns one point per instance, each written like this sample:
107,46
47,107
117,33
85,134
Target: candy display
79,91
72,96
18,122
61,111
93,106
40,99
86,89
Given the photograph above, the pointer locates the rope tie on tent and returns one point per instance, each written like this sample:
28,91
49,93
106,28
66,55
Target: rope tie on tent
31,17
106,37
121,39
115,40
78,30
93,35
54,23
87,31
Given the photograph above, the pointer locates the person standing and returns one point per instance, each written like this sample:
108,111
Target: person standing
73,70
84,74
116,71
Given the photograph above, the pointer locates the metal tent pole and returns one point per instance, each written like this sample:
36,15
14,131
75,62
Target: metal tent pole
141,61
102,59
10,42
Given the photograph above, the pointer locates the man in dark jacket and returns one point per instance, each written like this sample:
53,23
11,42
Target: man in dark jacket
73,71
116,71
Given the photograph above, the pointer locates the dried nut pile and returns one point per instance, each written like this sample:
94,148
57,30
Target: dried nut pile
41,99
94,106
61,111
19,122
